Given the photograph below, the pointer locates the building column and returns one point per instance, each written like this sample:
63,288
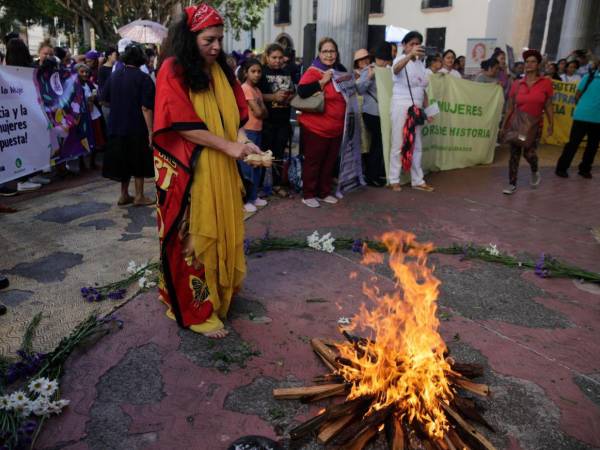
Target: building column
576,30
347,22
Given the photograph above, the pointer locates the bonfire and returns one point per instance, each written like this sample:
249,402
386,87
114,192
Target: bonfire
394,369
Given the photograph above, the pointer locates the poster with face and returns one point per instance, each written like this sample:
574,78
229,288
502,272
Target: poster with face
478,50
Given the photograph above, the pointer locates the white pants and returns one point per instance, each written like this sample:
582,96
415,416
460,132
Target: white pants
399,112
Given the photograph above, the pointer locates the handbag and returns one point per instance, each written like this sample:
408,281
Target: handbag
522,128
313,104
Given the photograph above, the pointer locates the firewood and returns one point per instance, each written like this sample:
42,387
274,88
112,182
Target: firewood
468,370
351,407
456,440
329,378
325,353
479,389
373,420
468,428
360,440
414,441
394,433
343,389
330,429
295,393
467,408
449,443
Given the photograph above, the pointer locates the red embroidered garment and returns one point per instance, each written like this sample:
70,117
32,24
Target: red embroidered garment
181,286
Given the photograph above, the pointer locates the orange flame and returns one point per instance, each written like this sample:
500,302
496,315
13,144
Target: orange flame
402,362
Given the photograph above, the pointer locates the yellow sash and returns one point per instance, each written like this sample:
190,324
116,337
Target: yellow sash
216,215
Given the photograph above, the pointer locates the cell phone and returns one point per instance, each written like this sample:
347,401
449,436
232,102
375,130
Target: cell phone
431,51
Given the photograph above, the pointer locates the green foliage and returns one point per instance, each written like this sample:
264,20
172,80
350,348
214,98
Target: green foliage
241,15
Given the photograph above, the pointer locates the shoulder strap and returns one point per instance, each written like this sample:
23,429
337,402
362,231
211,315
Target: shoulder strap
408,82
591,76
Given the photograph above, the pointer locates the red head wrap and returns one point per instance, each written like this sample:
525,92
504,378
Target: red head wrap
202,16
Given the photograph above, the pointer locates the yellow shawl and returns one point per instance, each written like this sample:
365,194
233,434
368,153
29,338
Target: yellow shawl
216,215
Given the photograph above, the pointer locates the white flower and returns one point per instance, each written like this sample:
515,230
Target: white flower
57,406
323,243
142,282
23,409
313,240
344,321
49,388
147,273
5,403
18,398
492,249
132,267
40,406
150,284
38,385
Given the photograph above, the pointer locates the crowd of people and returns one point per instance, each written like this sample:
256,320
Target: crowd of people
190,116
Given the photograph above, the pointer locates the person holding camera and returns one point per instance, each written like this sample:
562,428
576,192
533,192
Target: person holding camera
408,99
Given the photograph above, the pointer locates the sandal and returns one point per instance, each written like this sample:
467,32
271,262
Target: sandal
424,187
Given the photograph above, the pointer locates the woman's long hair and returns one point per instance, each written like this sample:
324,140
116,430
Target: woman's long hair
181,44
17,53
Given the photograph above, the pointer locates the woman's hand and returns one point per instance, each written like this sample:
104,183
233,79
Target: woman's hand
417,52
239,150
326,78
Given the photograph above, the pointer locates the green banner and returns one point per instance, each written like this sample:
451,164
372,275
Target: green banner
463,134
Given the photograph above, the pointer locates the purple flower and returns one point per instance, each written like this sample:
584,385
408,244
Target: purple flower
540,269
97,297
85,291
357,246
246,246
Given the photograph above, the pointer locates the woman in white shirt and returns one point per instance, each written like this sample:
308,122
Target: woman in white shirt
410,80
448,59
571,75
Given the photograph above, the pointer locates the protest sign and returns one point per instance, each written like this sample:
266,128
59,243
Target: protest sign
24,133
350,173
463,134
478,50
563,103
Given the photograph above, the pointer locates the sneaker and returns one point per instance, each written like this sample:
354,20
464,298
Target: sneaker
536,178
510,189
260,202
7,192
329,199
561,173
249,207
38,179
311,202
587,175
28,186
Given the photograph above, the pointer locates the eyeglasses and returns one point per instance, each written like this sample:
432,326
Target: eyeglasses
331,52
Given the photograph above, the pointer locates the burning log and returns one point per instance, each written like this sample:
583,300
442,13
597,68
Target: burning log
304,392
479,389
469,429
401,378
327,355
373,420
467,408
330,429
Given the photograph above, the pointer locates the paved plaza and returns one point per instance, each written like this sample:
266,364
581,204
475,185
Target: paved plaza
151,385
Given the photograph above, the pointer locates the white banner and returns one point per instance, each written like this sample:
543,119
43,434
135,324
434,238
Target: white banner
478,50
24,135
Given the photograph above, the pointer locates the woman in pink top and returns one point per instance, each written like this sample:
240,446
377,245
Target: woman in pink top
250,75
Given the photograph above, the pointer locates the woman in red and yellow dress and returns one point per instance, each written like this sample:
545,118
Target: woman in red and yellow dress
199,113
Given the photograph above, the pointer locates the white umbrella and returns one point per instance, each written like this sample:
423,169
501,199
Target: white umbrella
144,32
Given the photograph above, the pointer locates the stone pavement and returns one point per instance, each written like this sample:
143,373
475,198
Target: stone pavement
154,386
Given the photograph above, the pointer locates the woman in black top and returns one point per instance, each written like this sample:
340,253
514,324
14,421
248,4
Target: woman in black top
130,95
277,88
